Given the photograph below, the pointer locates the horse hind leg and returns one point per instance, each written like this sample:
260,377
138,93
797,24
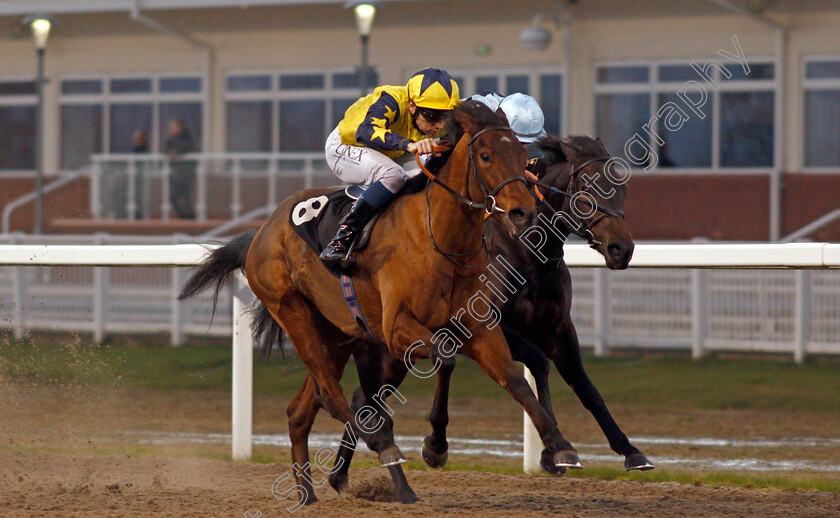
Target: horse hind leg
312,336
372,380
301,412
396,373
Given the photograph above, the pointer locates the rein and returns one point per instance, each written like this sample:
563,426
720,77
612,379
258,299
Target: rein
489,204
585,229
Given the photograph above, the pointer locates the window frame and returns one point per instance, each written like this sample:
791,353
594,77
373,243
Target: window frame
654,87
27,100
814,85
155,97
275,95
470,74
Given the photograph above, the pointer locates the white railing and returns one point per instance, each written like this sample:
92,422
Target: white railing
772,318
136,186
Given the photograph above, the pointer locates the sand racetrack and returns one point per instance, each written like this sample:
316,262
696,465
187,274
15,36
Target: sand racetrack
38,484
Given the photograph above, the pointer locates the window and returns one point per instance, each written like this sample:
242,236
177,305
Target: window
288,111
544,85
101,114
822,113
687,115
18,116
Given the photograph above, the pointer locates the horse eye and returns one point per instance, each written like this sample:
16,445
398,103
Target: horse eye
485,157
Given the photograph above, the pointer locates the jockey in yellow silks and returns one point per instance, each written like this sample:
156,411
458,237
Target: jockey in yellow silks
374,143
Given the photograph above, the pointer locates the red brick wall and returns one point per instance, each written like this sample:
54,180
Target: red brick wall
683,207
806,197
68,201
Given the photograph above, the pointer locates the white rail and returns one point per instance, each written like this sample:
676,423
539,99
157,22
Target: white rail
791,256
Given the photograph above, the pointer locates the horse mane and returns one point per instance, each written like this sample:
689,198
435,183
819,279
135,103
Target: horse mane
551,146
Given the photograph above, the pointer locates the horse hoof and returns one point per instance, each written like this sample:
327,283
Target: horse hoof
433,458
547,464
339,482
637,462
310,498
567,459
391,456
407,497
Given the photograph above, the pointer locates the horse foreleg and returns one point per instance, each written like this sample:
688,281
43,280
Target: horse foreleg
435,446
522,350
570,365
493,355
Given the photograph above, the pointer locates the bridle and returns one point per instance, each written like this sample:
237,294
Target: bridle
584,229
490,205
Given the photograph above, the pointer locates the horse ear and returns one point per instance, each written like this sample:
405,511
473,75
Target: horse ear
501,113
601,143
453,131
467,122
572,152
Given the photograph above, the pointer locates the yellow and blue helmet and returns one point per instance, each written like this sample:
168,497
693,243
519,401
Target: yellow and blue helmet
434,89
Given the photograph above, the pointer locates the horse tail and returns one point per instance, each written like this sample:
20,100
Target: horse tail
218,267
265,330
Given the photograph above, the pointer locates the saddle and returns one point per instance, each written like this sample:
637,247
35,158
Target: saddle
316,219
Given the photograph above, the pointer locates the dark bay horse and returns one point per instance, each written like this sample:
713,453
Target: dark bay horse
537,317
411,278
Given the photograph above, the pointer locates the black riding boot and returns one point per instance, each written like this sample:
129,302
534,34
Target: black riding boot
348,228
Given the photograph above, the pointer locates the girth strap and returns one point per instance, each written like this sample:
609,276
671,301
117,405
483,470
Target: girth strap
355,310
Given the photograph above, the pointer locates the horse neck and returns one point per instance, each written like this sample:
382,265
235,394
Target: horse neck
457,228
560,178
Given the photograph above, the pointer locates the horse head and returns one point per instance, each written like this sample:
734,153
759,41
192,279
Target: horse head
484,141
591,195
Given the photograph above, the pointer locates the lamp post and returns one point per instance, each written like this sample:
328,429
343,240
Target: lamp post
40,26
364,12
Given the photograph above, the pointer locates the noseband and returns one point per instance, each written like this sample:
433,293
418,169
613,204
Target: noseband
585,229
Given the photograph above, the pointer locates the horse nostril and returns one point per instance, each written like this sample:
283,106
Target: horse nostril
616,251
520,217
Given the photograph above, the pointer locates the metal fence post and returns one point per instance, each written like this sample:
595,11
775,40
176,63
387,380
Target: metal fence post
132,208
165,203
699,312
531,442
201,190
95,188
101,281
243,376
236,189
601,303
20,297
802,314
271,200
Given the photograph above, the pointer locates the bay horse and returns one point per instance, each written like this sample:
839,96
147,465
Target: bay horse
409,280
536,319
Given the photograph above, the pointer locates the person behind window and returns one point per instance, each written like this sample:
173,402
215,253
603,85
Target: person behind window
370,145
182,177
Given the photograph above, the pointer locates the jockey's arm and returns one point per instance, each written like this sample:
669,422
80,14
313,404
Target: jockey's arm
374,132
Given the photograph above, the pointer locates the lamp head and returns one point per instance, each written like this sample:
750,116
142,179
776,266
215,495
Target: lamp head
364,12
535,38
40,26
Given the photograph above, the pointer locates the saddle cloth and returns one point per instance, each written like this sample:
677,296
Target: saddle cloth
316,219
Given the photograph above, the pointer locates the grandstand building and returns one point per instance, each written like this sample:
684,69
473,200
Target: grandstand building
728,111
